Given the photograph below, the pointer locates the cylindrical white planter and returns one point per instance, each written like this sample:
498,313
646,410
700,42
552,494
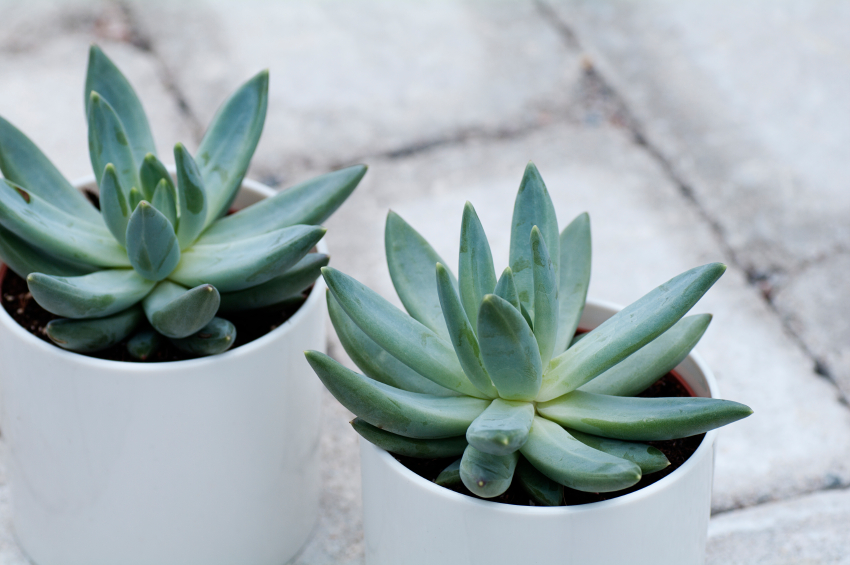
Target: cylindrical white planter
211,461
411,521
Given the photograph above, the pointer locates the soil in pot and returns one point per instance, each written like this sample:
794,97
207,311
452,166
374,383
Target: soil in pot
250,325
677,451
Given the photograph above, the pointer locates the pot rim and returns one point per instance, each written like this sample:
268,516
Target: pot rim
452,497
65,356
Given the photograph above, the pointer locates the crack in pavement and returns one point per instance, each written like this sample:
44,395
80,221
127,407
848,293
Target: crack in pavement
833,484
459,138
143,42
619,115
756,279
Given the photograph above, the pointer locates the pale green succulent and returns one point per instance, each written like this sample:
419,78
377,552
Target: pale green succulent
158,250
493,370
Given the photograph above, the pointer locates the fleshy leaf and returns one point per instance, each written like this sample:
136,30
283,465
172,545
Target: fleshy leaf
135,197
487,475
108,143
376,362
502,428
96,295
641,369
476,274
411,262
191,198
103,77
410,447
214,338
410,414
95,334
57,232
400,335
175,311
144,344
24,259
151,173
229,143
309,203
506,289
283,287
462,335
151,244
574,278
627,331
165,200
246,262
545,297
24,164
533,207
113,204
565,460
648,458
450,476
527,317
577,338
508,349
542,490
641,419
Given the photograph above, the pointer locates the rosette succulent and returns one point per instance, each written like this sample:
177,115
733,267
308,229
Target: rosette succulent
491,369
161,257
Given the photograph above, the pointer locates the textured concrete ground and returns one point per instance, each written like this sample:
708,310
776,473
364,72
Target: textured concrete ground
691,132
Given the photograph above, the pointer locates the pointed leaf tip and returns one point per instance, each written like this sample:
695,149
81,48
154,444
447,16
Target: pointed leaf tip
113,204
229,143
192,201
411,260
508,349
24,164
178,312
151,243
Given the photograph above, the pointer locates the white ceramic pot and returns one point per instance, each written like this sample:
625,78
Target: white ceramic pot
411,521
211,461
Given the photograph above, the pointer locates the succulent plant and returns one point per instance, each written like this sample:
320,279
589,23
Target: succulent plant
492,370
160,257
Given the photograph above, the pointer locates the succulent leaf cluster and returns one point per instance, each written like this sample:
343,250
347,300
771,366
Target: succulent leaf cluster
161,258
491,370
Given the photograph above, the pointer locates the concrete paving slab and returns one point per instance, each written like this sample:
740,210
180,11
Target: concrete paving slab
815,303
478,82
644,233
811,530
43,80
350,80
748,103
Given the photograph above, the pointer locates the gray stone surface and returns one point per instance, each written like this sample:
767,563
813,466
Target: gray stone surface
811,530
349,80
448,100
43,57
747,101
815,303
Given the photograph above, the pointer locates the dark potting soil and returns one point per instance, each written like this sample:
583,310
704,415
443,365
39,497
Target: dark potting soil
250,325
677,451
